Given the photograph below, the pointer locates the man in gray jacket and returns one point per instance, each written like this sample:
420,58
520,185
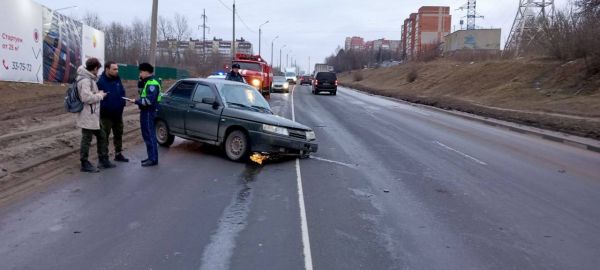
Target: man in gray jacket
89,118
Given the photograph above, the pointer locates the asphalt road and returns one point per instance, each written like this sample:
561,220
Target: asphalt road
393,186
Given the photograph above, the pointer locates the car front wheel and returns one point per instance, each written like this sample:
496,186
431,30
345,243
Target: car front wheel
237,146
163,135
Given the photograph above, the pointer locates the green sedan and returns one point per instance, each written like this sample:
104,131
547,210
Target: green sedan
232,115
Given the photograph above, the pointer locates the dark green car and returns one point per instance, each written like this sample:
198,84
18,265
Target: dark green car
232,115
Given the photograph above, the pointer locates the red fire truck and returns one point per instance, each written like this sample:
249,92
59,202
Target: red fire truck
256,71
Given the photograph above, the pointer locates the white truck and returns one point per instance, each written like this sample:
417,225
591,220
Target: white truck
322,68
291,75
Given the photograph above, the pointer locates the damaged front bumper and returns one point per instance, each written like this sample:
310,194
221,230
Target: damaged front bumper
280,145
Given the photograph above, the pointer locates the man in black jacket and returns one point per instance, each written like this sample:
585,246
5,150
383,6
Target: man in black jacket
111,108
234,74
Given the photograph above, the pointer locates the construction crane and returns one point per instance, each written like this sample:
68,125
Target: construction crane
471,7
525,29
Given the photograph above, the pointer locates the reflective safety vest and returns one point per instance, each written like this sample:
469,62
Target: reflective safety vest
152,82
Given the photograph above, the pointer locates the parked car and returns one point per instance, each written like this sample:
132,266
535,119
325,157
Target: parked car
280,83
306,80
232,115
325,82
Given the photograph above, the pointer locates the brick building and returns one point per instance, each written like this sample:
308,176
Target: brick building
354,43
425,30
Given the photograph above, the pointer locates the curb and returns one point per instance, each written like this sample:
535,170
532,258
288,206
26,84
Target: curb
572,140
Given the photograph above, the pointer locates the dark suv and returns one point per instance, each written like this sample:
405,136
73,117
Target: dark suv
325,82
305,80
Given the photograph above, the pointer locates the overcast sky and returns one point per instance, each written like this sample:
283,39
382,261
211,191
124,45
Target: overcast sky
309,28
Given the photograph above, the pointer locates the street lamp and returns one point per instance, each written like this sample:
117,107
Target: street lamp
259,36
280,56
272,42
65,8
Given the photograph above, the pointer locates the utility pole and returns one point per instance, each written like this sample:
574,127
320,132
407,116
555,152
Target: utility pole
204,34
153,32
280,49
233,40
309,65
272,43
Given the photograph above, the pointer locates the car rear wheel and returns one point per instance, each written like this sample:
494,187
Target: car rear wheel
237,146
163,135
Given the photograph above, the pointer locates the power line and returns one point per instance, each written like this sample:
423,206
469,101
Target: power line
238,16
244,23
224,5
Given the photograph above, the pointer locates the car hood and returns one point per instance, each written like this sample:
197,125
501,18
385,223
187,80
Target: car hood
264,118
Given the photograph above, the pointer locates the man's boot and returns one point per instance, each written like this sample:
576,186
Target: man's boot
87,166
106,164
120,158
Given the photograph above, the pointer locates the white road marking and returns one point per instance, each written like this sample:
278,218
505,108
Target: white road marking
460,153
334,162
308,265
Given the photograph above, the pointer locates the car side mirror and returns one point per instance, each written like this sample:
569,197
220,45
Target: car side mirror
208,100
212,101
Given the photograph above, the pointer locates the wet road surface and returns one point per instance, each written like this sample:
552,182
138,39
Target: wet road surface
393,186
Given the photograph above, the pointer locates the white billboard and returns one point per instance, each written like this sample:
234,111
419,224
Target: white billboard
93,44
21,41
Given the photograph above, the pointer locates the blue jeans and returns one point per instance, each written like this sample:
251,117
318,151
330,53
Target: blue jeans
148,133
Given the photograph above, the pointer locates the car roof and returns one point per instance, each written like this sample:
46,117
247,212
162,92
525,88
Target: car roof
215,81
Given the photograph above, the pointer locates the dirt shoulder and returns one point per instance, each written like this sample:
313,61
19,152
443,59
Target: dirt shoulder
38,136
535,92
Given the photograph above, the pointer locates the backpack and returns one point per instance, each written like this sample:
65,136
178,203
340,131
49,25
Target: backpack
73,103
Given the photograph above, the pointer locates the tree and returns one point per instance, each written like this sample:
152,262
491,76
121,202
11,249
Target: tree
165,28
92,19
181,27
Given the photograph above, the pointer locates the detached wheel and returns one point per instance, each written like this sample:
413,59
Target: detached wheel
163,135
237,146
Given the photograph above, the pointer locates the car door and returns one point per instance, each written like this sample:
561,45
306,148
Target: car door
202,119
175,104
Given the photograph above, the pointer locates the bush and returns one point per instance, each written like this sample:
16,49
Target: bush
573,34
357,76
412,75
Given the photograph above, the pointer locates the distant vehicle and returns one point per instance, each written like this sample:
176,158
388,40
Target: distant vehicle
291,75
322,68
306,80
280,84
256,71
232,115
325,82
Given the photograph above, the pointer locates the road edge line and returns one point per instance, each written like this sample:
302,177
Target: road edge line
308,265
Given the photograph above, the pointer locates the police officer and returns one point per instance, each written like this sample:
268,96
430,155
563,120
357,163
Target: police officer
150,96
234,74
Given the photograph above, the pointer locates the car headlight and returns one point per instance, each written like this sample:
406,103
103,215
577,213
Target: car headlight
256,82
310,135
277,130
286,85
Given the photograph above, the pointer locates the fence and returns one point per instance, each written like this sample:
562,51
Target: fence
131,72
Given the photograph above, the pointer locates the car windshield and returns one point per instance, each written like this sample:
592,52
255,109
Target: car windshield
249,66
279,79
290,74
243,96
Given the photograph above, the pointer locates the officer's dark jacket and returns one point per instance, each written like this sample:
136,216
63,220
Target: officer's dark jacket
235,76
150,101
